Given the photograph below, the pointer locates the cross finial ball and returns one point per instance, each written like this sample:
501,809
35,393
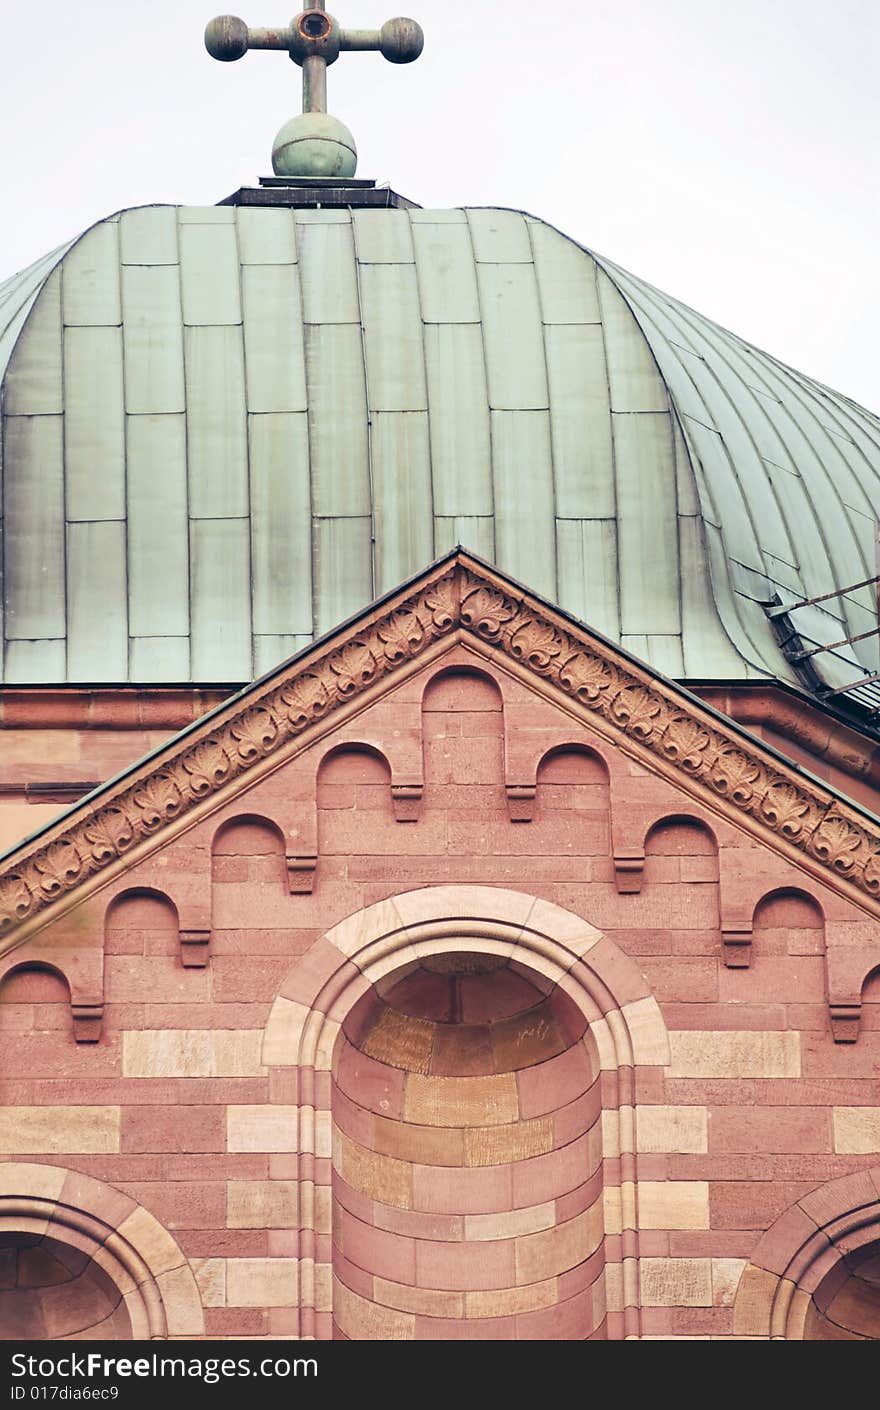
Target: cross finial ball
314,144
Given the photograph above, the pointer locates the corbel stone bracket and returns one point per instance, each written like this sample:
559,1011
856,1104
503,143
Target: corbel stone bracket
847,967
521,801
736,944
406,800
195,948
88,1016
301,873
628,869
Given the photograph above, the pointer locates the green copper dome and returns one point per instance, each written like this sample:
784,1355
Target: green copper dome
226,430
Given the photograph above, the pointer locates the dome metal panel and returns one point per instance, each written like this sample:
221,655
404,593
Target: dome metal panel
226,430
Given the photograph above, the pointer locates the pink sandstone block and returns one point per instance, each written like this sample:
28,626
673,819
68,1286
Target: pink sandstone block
377,1251
354,1120
577,1200
465,1329
235,1322
575,1280
182,1205
464,1266
788,1234
352,1276
247,979
284,1243
566,1321
419,1224
371,1084
479,1190
548,1176
555,1083
779,1129
172,1129
752,1204
578,1116
358,1204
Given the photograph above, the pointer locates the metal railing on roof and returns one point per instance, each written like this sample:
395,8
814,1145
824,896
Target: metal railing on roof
801,650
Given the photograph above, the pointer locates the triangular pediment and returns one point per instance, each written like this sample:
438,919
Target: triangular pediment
460,599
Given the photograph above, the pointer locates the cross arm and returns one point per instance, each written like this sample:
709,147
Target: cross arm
228,38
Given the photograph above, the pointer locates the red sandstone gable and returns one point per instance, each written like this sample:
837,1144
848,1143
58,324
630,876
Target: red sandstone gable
531,944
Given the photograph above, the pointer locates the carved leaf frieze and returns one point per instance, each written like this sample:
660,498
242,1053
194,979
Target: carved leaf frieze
623,701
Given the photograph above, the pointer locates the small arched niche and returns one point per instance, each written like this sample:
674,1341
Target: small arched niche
355,811
35,998
787,921
53,1291
248,848
681,849
467,1151
463,732
355,777
141,922
572,801
870,1017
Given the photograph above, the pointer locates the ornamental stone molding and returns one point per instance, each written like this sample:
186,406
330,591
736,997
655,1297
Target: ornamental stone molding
460,599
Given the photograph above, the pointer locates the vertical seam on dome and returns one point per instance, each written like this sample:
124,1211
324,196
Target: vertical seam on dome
554,505
186,493
367,407
427,388
485,362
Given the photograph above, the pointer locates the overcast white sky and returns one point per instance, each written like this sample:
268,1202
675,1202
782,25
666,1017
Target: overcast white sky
727,153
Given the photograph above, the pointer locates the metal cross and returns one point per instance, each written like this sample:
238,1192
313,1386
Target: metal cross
313,40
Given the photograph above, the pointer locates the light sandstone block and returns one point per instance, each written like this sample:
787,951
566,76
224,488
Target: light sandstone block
361,1320
506,1302
726,1273
611,1133
381,1177
566,928
461,1101
323,1287
284,1029
50,1130
355,932
261,1282
676,1282
753,1303
511,1223
31,1181
154,1244
499,1145
542,1256
674,1204
429,1302
180,1299
734,1054
667,1129
261,1204
194,1052
614,1287
323,1209
210,1276
647,1032
467,902
271,1129
856,1130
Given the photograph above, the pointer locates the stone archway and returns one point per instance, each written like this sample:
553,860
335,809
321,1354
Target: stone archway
824,1250
367,952
83,1260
